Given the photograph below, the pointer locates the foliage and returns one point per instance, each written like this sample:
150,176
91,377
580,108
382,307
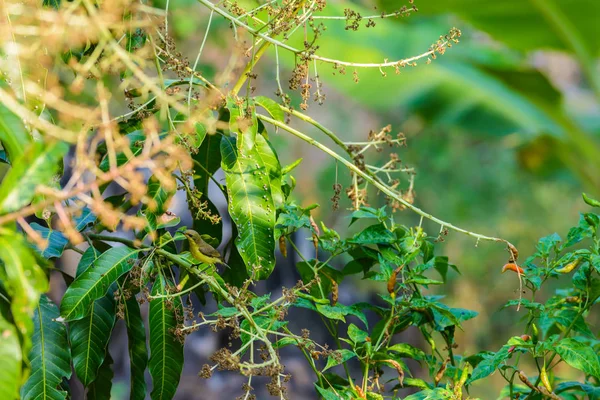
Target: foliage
77,173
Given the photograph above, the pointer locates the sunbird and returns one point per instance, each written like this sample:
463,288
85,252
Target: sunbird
202,251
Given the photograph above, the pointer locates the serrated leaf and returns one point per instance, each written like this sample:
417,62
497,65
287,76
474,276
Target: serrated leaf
338,357
24,280
100,388
95,281
271,106
166,350
251,207
50,355
36,166
138,353
12,358
579,356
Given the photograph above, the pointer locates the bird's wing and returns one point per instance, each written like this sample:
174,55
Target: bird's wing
210,251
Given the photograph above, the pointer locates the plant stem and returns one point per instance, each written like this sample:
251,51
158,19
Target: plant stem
382,187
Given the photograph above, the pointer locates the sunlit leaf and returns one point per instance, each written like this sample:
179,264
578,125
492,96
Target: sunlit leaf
24,280
11,356
36,166
251,207
579,355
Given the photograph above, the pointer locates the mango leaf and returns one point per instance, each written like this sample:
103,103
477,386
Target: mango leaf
209,157
37,165
266,153
138,354
12,358
56,241
166,349
530,25
50,355
158,202
271,106
100,388
579,356
24,281
94,282
89,336
13,135
251,207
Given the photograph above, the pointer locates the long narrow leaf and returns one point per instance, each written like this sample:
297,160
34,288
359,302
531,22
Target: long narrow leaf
50,355
166,350
138,353
95,281
100,388
251,207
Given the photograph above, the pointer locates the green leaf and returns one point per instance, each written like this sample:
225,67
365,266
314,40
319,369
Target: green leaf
357,335
528,25
406,350
589,201
24,280
89,338
37,165
100,388
251,207
50,355
579,356
56,241
431,394
138,353
13,135
338,357
158,202
489,364
266,154
12,358
374,234
166,349
271,106
95,281
330,394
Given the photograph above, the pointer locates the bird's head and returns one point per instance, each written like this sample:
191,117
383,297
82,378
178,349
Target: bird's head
191,234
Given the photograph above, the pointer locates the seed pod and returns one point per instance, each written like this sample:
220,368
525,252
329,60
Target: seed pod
282,246
440,373
513,267
391,283
568,267
545,380
514,253
334,292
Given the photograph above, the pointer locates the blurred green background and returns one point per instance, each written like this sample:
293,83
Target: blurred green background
503,129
